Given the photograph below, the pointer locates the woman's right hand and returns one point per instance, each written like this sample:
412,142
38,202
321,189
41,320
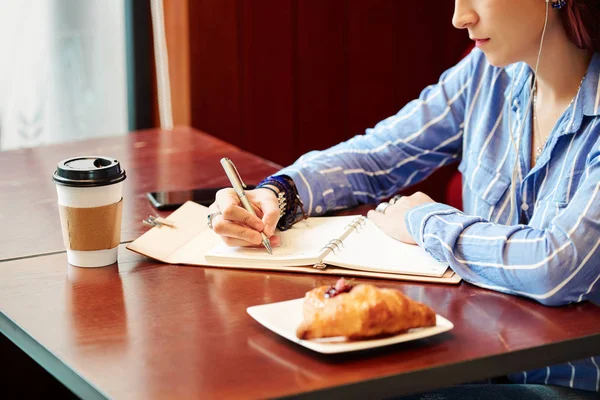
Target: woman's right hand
237,226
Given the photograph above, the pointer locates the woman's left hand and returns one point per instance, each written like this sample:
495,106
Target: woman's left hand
392,221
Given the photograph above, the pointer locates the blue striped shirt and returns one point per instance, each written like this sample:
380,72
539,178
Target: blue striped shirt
546,247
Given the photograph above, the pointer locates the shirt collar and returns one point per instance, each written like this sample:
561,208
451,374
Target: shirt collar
587,100
590,88
588,97
518,74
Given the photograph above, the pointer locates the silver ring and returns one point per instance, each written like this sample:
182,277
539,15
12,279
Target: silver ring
210,217
381,207
394,199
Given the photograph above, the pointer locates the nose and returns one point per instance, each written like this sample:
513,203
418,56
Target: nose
464,15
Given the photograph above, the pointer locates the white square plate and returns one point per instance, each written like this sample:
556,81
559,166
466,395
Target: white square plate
284,317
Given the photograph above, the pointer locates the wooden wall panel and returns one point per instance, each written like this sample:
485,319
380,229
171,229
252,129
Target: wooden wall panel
214,68
320,89
266,40
371,46
282,77
420,43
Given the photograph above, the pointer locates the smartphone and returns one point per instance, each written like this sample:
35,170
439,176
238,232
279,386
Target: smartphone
173,199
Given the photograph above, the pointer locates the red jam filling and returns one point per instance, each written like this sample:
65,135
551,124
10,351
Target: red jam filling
341,286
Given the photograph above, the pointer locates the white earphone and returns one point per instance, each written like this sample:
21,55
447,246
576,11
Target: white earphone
519,138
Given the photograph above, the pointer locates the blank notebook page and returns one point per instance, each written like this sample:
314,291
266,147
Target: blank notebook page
370,248
300,245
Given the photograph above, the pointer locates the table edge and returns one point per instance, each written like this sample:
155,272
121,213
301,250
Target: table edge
50,362
393,385
419,381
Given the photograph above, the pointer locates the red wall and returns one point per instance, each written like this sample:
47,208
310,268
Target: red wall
282,77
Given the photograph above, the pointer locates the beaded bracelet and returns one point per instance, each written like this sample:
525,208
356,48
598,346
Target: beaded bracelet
280,198
295,211
292,203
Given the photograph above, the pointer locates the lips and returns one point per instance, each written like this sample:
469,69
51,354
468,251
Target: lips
480,42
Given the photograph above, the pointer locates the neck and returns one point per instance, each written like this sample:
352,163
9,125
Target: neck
562,65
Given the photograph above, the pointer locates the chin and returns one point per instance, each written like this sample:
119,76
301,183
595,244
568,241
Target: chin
498,60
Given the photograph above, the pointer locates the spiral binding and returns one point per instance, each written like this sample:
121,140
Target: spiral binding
358,223
334,244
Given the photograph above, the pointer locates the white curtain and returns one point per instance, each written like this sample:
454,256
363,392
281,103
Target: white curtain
62,71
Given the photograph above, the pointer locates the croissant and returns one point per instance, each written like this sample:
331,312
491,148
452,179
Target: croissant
359,312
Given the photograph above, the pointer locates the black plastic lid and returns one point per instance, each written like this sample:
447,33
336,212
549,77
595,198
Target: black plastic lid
88,172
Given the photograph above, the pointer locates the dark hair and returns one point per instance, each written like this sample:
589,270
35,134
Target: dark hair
581,19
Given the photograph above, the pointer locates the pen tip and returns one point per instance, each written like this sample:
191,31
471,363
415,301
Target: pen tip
268,246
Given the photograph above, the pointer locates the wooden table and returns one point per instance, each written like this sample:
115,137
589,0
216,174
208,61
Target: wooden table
142,329
182,159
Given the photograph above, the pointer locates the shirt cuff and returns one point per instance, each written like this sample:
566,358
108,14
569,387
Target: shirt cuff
416,219
325,192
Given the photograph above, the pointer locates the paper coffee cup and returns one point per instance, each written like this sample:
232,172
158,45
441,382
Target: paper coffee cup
90,202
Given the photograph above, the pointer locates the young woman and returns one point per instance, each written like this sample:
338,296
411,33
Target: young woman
521,115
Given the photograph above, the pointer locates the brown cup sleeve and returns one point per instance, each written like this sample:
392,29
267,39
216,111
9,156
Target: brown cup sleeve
95,228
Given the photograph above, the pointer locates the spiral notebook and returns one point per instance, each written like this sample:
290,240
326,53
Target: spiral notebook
339,245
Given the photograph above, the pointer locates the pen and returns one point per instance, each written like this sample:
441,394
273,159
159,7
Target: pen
239,186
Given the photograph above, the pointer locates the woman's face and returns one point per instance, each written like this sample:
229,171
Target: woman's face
509,30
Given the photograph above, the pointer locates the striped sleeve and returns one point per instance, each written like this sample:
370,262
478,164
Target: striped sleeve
555,266
399,151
